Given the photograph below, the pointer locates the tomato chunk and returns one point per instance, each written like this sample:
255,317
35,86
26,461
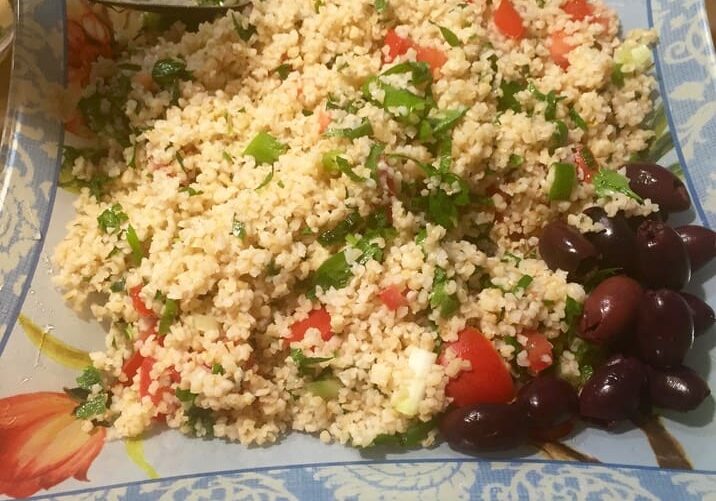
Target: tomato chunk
435,58
582,164
324,120
509,21
397,45
578,9
393,297
539,351
318,319
132,365
144,377
560,48
138,304
488,381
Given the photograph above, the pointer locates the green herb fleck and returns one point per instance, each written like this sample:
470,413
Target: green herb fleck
244,33
217,368
606,182
169,314
238,229
306,364
111,219
446,303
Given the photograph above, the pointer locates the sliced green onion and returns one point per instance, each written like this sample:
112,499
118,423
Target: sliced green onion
327,389
135,245
564,177
618,76
560,136
168,316
265,148
577,119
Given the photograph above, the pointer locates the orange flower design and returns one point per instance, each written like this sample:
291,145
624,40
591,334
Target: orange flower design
89,36
42,443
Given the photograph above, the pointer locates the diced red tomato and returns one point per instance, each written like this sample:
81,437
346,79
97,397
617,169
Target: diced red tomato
488,381
393,297
578,9
324,120
318,319
560,48
435,58
144,378
539,351
145,381
509,21
397,45
138,304
132,365
582,164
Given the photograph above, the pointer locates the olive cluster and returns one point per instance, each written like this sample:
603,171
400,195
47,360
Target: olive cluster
640,317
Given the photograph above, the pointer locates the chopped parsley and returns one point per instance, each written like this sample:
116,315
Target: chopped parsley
169,313
246,33
283,70
440,300
135,245
306,364
364,129
238,229
111,219
606,182
168,72
217,368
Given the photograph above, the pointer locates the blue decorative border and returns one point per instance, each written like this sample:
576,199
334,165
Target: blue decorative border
673,77
435,479
29,108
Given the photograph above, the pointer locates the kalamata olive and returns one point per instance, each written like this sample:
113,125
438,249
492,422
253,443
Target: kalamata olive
664,328
700,244
701,312
549,401
564,247
660,185
662,260
615,391
485,427
610,310
635,221
680,388
616,243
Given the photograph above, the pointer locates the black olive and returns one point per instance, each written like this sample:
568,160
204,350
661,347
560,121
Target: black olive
700,244
485,427
610,310
662,260
616,243
549,402
615,391
658,184
665,328
701,312
679,388
564,247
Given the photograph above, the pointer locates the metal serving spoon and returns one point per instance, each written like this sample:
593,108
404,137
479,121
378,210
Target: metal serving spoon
176,7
